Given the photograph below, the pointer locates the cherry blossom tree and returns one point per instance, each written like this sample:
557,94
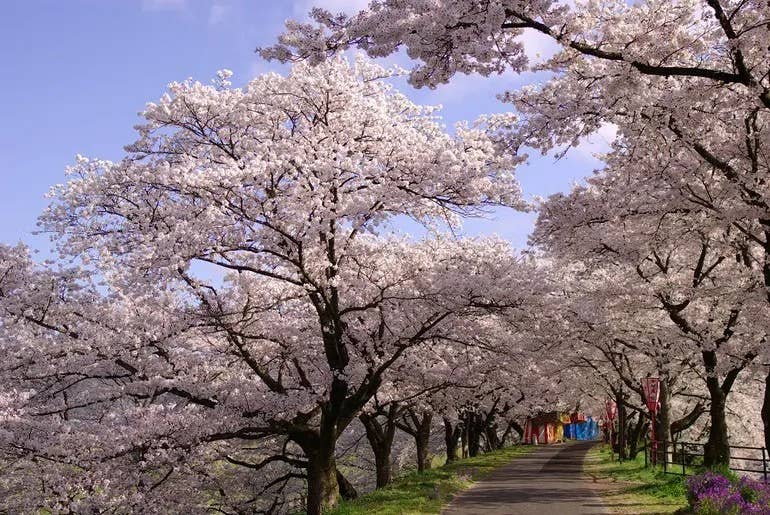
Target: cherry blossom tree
614,335
718,41
682,81
441,382
286,186
699,273
471,382
74,429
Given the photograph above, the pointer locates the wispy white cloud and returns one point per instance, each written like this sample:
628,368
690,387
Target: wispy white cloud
462,88
218,12
164,5
537,46
597,143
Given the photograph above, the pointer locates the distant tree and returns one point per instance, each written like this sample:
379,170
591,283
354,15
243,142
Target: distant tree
682,263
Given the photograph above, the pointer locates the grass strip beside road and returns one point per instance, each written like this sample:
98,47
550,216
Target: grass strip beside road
630,488
430,491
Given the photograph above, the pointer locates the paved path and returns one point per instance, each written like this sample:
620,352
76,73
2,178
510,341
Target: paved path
547,481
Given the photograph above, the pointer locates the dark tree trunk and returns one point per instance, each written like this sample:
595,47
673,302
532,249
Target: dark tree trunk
451,438
322,488
619,435
464,439
384,470
766,274
347,490
717,449
380,438
663,420
422,440
677,426
419,429
506,435
474,441
488,429
474,436
635,433
519,430
493,440
621,403
766,411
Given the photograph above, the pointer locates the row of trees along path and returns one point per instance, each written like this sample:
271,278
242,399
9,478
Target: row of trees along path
232,305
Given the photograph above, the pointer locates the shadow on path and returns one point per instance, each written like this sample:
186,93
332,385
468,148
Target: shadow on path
548,481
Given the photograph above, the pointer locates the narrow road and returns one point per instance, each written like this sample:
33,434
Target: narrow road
548,481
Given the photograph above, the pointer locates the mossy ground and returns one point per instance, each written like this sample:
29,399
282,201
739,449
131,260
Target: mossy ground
428,492
630,488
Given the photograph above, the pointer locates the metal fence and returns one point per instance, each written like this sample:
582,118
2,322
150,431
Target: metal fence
685,458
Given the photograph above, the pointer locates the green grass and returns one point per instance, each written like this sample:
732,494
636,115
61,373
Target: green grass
430,491
637,485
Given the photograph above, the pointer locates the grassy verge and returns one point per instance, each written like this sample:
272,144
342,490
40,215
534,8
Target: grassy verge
430,491
629,487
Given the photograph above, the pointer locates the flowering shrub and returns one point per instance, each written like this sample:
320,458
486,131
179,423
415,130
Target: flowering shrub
713,493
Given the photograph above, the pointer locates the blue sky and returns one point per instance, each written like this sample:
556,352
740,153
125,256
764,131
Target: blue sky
78,72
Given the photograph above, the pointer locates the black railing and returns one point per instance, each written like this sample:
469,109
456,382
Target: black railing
685,458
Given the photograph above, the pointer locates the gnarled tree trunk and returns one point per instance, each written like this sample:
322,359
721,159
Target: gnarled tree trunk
419,428
494,441
472,425
380,437
347,490
663,420
766,411
622,419
323,491
636,431
452,435
717,449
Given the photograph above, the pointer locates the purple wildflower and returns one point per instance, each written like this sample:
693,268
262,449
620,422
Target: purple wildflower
713,493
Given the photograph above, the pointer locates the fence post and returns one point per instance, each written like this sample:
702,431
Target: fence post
665,456
684,467
764,463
